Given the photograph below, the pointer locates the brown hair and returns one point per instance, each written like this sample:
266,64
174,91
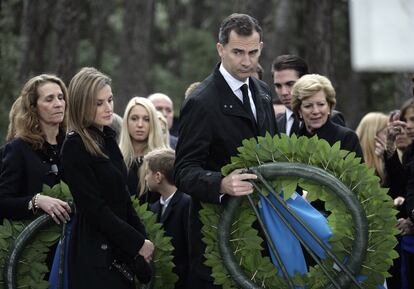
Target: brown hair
162,160
83,89
27,124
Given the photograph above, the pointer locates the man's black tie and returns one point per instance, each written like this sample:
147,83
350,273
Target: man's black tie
295,125
246,101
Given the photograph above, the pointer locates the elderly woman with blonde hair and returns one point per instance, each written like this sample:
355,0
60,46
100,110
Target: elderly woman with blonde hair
141,133
313,99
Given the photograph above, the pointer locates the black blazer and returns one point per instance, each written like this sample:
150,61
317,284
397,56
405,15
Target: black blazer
106,225
175,221
332,132
24,171
213,124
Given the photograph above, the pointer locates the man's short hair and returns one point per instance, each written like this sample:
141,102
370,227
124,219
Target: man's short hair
289,61
242,24
162,160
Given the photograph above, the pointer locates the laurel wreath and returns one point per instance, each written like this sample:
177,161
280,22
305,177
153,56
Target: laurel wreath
32,268
247,245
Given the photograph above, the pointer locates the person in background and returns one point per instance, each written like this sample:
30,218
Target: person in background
172,208
164,104
313,99
225,108
278,107
259,72
11,128
107,239
286,70
164,128
116,125
372,134
31,157
141,133
191,88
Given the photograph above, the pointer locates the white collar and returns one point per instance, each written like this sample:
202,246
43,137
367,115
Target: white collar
234,83
289,113
167,201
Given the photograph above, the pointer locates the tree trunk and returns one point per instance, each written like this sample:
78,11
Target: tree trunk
67,26
318,28
134,50
35,27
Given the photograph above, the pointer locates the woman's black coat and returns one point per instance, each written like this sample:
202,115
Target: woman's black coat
332,132
23,174
106,226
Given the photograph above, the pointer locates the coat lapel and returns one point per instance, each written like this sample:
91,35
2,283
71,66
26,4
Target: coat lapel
260,99
175,199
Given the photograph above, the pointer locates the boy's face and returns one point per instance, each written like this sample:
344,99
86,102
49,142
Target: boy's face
152,180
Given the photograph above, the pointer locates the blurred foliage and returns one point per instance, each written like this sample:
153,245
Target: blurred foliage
180,49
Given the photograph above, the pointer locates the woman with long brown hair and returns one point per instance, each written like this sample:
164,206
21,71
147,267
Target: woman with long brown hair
108,243
31,159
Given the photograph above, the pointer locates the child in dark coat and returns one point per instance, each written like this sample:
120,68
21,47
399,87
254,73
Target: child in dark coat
172,208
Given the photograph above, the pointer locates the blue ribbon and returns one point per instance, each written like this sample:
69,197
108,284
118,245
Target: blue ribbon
54,272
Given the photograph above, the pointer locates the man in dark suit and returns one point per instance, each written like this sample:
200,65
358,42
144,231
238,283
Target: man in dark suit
172,208
226,108
286,70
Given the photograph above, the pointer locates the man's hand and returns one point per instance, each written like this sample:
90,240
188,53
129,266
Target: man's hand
236,183
146,250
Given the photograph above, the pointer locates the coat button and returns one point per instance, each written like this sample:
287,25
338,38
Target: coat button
225,106
104,246
231,106
208,174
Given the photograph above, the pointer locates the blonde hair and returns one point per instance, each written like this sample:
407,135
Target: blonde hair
83,89
164,128
26,119
368,128
155,138
307,86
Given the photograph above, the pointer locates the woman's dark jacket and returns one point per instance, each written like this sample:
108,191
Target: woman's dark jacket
23,174
332,133
106,226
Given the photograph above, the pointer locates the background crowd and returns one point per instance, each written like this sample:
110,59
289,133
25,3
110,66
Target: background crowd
72,134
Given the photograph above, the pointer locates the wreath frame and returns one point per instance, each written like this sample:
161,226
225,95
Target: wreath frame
245,242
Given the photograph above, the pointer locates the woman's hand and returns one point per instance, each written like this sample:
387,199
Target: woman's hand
146,250
57,209
380,146
405,226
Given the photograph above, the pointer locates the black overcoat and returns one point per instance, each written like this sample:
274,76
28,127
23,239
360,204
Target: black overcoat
106,225
175,221
332,132
213,124
23,174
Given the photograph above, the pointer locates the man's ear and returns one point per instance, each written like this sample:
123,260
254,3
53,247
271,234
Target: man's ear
220,48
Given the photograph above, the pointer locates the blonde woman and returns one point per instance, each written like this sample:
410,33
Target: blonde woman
372,134
108,239
141,133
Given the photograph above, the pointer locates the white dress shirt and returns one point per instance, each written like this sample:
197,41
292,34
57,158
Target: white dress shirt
235,85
